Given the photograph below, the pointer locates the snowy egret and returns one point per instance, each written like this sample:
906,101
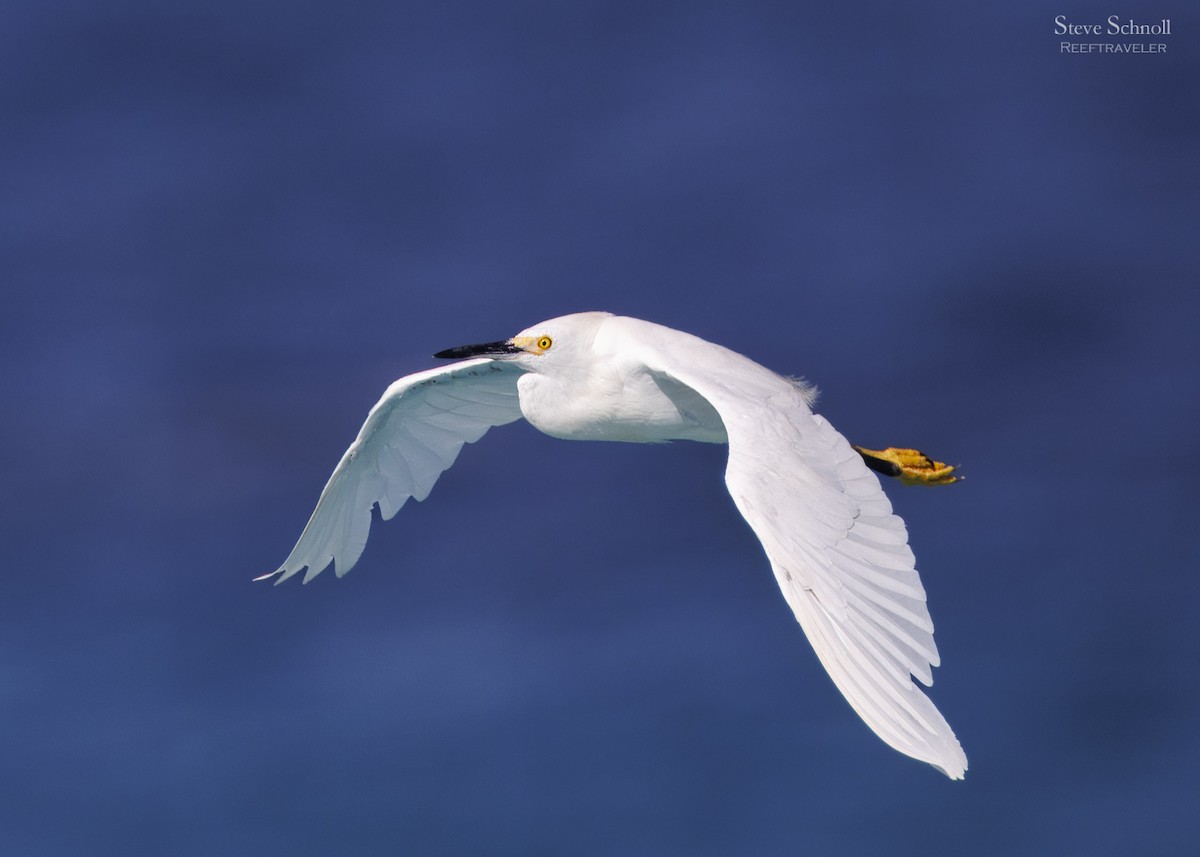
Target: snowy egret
839,554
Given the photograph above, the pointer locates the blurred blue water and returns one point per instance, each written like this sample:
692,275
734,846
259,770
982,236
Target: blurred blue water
225,228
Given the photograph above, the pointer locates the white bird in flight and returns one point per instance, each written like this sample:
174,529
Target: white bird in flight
839,554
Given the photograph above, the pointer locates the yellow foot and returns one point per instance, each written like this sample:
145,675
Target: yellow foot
910,466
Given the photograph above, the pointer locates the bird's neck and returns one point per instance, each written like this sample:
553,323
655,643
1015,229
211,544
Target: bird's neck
617,403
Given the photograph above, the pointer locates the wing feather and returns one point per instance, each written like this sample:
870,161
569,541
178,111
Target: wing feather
840,555
410,437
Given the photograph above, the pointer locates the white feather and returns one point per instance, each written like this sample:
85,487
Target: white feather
840,556
411,435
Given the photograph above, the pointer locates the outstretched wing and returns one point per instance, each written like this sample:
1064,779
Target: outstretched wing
839,554
411,435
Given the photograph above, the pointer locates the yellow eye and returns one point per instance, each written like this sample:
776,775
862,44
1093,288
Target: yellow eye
544,343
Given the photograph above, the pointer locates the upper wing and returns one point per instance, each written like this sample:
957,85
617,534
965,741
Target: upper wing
411,435
839,554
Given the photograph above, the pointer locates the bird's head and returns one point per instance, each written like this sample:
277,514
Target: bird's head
536,347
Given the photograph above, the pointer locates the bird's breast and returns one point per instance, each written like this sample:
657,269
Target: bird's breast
635,408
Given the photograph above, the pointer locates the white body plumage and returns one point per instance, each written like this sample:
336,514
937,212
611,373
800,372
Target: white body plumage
839,554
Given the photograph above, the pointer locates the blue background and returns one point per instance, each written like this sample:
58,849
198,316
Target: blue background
226,227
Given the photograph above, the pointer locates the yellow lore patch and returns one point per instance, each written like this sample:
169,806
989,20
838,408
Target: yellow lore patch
532,344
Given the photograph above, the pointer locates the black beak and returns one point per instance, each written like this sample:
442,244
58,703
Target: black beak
487,349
